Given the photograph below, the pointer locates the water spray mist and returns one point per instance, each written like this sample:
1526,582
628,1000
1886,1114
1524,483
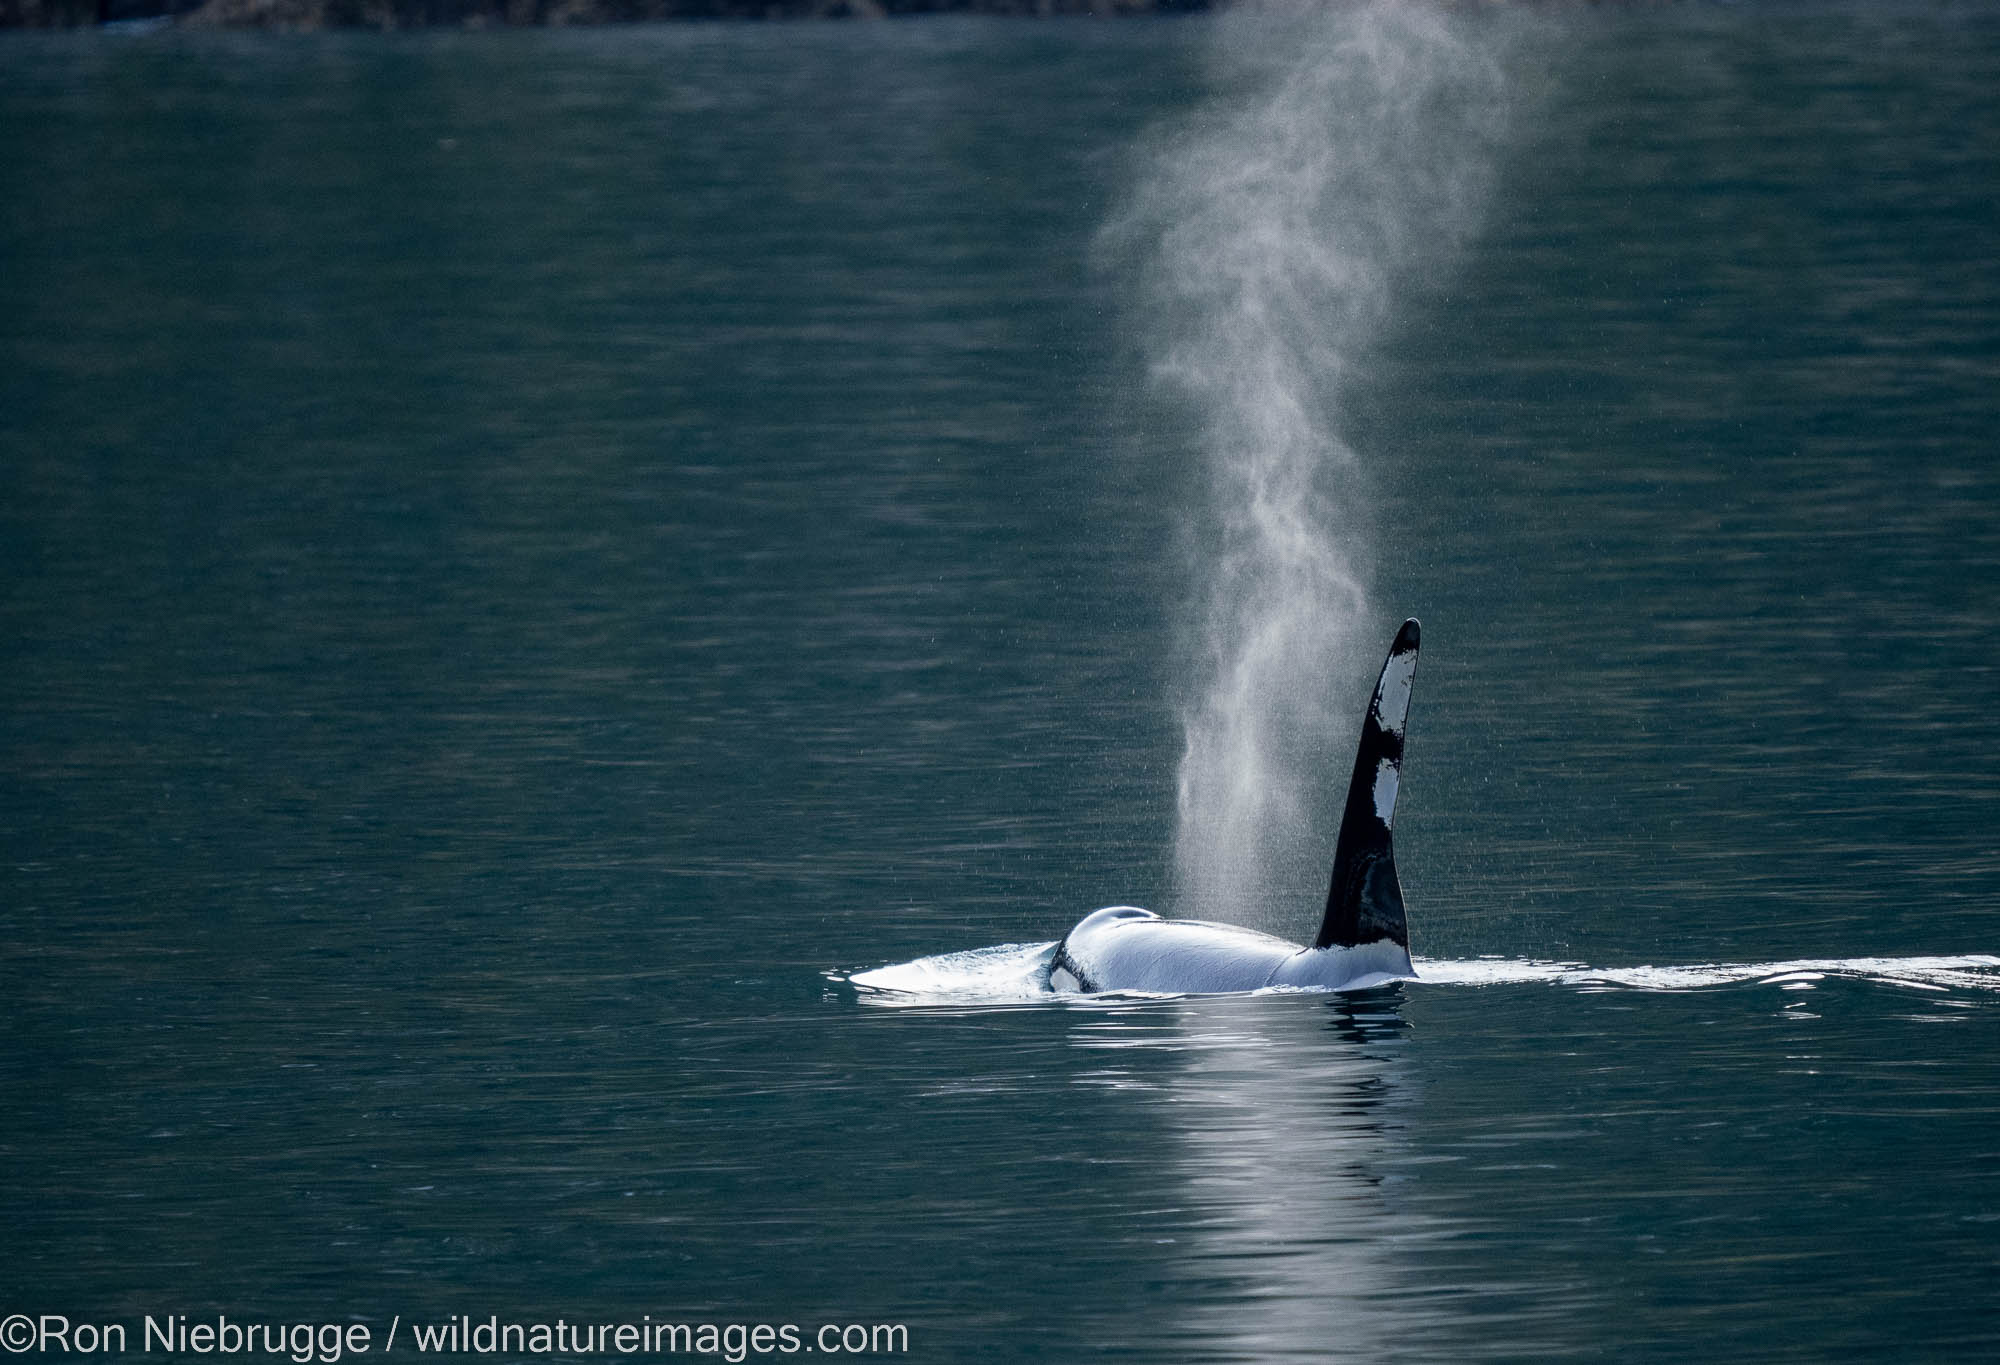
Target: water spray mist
1343,149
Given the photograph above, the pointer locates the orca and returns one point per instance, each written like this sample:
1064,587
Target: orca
1364,938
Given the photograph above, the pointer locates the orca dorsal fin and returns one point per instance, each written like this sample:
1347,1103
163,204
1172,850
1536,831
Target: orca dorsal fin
1365,902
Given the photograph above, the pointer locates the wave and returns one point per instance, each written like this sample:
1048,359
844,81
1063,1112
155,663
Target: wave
1016,974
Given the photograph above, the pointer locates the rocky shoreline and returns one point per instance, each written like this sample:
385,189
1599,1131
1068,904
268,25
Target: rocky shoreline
396,14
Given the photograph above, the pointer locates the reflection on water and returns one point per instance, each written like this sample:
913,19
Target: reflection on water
1286,1120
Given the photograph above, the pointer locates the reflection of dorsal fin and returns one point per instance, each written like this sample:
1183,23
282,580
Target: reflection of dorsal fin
1365,903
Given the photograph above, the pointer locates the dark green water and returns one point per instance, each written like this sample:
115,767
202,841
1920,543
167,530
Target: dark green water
524,558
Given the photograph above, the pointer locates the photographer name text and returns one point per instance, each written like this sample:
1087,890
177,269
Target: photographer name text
325,1343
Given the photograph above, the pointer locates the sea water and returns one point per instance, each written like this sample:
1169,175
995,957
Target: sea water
527,560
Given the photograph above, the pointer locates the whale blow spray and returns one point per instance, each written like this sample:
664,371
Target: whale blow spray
1344,150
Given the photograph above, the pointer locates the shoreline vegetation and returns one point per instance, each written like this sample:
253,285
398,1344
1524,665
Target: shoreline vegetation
398,14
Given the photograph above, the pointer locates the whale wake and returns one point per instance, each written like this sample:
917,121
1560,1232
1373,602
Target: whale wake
1015,973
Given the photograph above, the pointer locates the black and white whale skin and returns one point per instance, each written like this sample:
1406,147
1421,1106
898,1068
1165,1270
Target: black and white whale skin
1364,938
